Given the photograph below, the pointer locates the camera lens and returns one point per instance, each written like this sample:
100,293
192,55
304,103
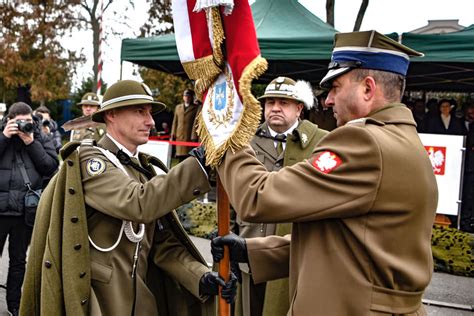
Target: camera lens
24,126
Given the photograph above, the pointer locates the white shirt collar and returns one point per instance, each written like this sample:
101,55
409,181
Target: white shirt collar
122,148
288,131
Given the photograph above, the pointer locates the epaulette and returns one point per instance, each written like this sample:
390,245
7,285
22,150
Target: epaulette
67,149
88,142
360,121
364,121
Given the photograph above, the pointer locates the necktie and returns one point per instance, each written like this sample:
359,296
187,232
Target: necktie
133,162
280,138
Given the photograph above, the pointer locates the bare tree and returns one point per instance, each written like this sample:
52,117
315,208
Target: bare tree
92,21
360,15
330,12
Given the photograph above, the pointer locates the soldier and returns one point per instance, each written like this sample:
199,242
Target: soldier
89,104
115,247
282,140
362,206
183,123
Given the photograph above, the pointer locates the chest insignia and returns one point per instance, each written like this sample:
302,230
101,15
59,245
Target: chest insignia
304,138
326,162
95,166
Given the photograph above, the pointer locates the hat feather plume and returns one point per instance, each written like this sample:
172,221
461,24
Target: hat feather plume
304,92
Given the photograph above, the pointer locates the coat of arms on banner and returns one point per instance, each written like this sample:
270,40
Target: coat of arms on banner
437,157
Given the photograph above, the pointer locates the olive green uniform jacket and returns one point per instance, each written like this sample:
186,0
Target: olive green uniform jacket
94,133
299,145
183,126
360,241
67,276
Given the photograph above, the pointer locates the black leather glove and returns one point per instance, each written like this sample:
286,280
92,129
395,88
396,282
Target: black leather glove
234,267
209,285
200,154
237,248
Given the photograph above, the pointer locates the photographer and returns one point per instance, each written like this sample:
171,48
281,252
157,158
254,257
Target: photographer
27,155
49,126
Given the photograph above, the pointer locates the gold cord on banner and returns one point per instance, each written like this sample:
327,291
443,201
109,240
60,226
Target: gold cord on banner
248,122
204,67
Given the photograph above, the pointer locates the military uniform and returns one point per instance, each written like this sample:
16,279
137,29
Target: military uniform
96,130
112,283
137,259
343,260
362,206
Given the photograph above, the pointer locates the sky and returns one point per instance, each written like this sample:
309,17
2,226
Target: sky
385,16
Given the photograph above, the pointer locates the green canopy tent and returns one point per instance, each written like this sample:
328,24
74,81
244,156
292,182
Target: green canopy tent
448,64
294,41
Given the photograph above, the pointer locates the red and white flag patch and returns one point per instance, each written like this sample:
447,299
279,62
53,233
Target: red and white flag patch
326,162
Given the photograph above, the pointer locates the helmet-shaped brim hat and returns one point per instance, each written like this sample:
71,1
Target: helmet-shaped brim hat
126,93
367,50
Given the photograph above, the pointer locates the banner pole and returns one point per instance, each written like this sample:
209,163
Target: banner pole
223,225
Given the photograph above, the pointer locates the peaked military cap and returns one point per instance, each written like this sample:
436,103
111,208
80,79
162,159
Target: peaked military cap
287,88
126,93
367,50
90,98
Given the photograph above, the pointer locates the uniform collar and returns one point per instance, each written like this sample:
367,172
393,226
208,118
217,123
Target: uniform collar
288,131
113,145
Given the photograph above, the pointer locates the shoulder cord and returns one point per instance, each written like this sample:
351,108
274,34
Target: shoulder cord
127,226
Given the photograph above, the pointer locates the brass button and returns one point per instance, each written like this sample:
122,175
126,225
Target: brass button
82,274
48,264
71,190
70,163
74,219
83,301
77,246
196,192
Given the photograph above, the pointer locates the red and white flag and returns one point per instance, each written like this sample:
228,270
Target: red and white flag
230,113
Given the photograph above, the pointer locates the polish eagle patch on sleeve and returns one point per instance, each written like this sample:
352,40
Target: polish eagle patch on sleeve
326,162
95,166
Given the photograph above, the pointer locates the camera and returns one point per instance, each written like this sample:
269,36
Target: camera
25,126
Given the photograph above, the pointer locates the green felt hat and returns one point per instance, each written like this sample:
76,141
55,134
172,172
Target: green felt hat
126,93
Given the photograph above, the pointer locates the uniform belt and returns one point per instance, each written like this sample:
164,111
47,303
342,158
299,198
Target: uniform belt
395,301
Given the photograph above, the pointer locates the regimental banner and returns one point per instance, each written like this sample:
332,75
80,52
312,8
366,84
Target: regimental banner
230,114
446,153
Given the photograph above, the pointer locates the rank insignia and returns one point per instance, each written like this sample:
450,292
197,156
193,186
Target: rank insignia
95,166
326,162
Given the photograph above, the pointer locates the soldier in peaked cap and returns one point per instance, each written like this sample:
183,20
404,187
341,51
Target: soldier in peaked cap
89,104
136,250
360,240
282,140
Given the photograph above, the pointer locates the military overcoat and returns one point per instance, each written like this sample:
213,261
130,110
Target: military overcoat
104,284
362,209
183,125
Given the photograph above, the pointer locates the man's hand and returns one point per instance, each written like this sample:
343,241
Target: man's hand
209,285
237,247
12,129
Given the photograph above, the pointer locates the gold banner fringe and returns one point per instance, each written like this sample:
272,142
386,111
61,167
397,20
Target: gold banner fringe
204,67
248,122
217,36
